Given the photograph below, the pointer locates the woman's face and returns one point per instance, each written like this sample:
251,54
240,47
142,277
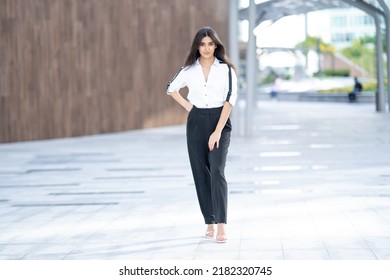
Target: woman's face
207,47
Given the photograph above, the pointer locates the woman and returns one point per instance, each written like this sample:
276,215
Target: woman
206,74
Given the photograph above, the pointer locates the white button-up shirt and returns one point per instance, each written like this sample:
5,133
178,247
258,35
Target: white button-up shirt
202,94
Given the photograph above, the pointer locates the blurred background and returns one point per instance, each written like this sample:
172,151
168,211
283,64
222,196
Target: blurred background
308,168
72,68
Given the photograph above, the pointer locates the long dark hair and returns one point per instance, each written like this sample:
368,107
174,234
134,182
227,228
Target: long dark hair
219,52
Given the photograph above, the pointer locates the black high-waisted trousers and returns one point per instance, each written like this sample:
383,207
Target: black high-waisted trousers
208,168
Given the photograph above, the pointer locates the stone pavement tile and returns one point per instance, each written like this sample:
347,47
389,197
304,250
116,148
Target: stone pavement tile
374,229
11,257
4,226
315,254
106,251
382,254
138,234
213,255
293,210
261,255
351,254
266,214
306,174
335,226
26,226
383,210
45,217
122,256
71,232
63,234
306,231
17,251
18,215
176,252
347,243
50,252
52,256
263,231
303,243
210,245
172,256
260,244
25,234
378,242
104,256
6,210
184,230
367,220
210,249
141,244
295,227
177,246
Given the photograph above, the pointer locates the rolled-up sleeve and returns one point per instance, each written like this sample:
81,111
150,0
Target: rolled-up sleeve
233,96
177,82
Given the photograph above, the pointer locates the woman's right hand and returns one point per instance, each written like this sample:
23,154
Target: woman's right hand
183,102
189,106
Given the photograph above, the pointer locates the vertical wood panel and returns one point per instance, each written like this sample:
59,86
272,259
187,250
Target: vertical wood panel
71,68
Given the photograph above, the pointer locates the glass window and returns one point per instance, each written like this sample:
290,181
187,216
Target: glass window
338,21
338,37
368,20
349,37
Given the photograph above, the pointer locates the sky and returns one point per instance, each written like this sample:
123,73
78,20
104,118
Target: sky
288,31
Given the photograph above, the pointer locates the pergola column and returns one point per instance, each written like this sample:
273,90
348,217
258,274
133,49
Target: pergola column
234,55
251,69
387,27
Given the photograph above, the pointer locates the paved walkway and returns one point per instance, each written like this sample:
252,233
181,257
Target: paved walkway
312,183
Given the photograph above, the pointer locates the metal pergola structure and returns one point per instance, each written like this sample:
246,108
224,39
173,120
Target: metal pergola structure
274,10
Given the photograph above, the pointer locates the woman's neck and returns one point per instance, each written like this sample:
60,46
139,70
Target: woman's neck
206,62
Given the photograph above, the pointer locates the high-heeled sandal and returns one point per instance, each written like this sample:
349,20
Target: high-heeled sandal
221,238
209,234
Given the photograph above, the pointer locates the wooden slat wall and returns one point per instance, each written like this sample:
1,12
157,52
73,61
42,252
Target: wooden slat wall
71,67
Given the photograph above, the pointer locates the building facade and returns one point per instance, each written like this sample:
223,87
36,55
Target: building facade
347,25
71,68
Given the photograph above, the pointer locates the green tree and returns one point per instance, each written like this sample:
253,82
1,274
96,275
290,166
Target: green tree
313,43
371,40
361,54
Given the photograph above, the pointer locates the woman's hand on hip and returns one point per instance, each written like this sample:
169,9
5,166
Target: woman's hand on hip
189,106
214,139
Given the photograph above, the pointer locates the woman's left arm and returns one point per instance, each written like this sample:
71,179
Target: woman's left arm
216,135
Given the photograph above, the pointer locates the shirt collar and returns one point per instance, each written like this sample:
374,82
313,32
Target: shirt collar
216,61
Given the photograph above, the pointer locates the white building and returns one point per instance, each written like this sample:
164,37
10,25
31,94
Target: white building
340,27
347,25
336,26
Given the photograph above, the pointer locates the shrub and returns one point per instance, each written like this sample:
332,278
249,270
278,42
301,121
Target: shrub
368,86
333,73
